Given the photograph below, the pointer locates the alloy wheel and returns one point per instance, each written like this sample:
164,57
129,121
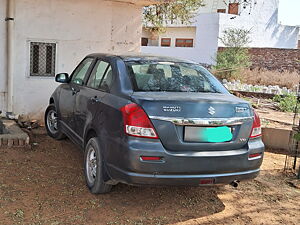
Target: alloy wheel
52,121
91,165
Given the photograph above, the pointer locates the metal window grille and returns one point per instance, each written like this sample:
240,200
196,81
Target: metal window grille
42,59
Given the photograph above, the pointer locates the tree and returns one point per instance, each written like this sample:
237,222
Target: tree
235,57
183,11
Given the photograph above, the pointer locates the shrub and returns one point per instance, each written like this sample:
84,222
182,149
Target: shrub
230,62
235,56
287,103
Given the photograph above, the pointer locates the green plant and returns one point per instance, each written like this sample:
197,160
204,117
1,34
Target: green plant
235,57
297,137
230,62
155,17
287,103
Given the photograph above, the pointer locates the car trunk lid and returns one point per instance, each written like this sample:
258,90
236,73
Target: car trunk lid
188,121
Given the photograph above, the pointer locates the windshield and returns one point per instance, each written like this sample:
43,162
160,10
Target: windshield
172,77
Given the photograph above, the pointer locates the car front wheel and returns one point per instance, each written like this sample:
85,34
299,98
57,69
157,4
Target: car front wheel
51,123
94,168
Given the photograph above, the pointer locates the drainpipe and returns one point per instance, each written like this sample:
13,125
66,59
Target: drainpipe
10,13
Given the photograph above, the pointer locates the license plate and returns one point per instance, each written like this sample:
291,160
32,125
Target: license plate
208,134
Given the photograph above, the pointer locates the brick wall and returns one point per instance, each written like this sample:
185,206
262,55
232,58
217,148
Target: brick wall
274,58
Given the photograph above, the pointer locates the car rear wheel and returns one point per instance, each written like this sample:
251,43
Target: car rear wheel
51,123
94,168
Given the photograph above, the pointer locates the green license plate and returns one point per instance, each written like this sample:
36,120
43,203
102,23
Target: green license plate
208,134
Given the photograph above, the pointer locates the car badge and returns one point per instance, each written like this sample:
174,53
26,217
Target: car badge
211,110
171,108
240,109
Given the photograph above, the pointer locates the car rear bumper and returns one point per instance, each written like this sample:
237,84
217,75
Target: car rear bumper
182,168
177,180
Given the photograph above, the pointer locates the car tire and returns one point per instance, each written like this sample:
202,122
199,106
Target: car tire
52,123
94,168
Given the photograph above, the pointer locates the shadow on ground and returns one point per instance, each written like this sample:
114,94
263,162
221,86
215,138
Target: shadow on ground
45,185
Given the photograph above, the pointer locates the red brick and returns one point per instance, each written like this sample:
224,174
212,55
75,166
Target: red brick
10,142
274,58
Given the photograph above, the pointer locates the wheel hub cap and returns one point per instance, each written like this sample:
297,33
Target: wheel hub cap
52,121
91,165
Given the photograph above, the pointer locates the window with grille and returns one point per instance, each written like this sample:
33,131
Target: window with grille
221,11
181,42
165,42
233,8
145,41
42,59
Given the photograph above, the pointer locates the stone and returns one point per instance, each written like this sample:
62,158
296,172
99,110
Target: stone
10,142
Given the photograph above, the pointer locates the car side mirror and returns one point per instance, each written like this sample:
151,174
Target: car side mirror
62,78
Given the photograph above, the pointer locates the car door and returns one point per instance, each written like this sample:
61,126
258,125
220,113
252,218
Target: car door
89,103
68,95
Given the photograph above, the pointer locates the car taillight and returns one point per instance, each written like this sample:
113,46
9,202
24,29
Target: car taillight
136,122
256,128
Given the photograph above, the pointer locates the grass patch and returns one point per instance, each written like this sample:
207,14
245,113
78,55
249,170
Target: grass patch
268,77
286,103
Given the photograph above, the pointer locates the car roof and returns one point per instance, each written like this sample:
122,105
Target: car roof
139,57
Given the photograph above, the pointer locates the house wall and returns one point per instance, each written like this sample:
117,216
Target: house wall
79,28
2,54
262,21
266,32
205,44
173,33
211,6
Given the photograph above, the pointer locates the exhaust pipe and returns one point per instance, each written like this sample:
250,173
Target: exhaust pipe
235,183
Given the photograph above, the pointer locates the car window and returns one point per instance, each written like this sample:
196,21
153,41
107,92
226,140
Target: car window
97,74
107,80
172,77
101,77
81,70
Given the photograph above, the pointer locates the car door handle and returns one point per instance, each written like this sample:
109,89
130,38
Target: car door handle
74,91
95,99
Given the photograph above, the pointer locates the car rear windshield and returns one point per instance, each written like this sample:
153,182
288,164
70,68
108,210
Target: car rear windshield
172,77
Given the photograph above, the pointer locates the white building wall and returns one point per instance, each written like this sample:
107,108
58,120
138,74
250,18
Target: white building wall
2,54
176,32
206,42
266,32
211,6
262,21
79,28
173,33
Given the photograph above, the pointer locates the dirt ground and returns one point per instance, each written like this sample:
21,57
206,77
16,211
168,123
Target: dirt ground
270,115
45,185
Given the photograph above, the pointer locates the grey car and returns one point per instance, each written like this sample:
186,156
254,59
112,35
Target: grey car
151,120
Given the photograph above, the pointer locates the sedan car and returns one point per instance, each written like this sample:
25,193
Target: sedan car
151,120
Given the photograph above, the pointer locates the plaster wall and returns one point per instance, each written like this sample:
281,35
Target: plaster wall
173,33
2,54
205,43
261,19
266,32
79,28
